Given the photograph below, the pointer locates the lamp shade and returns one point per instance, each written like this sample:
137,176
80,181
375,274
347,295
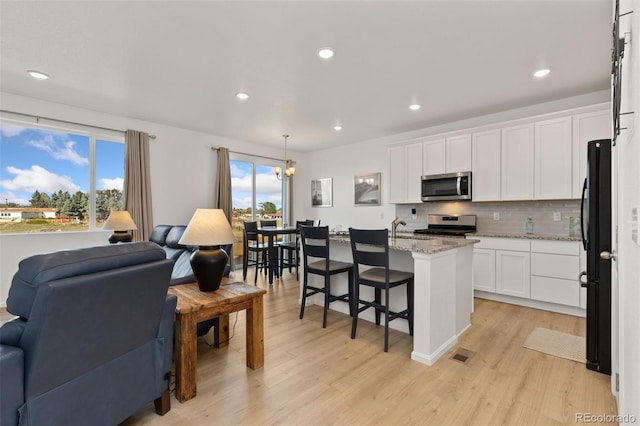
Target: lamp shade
208,227
119,221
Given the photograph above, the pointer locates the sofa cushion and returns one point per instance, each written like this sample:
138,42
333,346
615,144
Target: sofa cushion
173,248
159,234
43,268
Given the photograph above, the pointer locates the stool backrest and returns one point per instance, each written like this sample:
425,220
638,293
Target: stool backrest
268,223
251,231
315,242
370,247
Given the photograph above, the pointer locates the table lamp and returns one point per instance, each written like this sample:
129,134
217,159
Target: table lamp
121,223
208,229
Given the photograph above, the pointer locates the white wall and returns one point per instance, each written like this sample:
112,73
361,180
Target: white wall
183,170
628,147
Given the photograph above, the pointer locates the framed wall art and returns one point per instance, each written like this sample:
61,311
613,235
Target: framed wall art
321,193
366,189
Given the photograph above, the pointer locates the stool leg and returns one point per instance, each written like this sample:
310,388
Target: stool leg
386,319
356,308
410,305
327,289
304,294
378,300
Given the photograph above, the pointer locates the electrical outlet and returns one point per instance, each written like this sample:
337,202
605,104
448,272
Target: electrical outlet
496,215
557,216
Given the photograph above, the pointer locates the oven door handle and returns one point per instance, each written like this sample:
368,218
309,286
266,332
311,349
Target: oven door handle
458,185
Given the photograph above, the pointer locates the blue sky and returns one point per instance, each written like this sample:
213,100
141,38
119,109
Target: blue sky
35,159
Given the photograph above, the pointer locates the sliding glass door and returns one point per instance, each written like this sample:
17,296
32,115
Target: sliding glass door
257,194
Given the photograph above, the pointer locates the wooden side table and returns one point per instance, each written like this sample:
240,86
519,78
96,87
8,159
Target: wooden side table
195,306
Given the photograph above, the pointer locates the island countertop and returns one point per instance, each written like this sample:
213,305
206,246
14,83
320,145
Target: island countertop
421,244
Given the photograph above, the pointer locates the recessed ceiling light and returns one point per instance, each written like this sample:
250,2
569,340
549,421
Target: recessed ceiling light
541,73
38,74
414,107
325,53
242,96
337,127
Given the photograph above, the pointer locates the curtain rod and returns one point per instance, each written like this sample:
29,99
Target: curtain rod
38,118
215,148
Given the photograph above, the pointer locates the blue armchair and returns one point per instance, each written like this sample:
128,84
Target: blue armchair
93,339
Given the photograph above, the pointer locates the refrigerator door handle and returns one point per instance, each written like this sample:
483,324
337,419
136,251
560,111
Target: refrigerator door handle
608,255
582,224
582,283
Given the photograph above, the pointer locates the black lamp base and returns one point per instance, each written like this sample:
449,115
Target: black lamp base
208,264
121,237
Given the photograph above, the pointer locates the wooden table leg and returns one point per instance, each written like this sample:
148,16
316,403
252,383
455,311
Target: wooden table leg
185,356
221,331
255,334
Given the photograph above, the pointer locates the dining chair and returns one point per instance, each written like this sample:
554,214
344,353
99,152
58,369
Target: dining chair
252,244
315,249
370,248
292,249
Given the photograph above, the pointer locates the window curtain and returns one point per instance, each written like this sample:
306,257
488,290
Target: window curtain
223,190
137,183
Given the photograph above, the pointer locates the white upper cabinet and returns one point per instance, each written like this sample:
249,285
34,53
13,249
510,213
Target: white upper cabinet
517,162
405,170
413,159
397,176
458,153
485,148
434,157
552,161
587,127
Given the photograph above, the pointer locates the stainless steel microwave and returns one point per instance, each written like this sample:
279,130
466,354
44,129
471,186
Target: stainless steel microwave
447,186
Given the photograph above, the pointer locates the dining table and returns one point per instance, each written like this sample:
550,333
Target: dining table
270,233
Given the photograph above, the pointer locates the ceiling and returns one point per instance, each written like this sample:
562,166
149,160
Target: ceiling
182,63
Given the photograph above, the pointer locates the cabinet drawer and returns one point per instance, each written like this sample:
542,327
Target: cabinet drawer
555,266
513,244
556,247
554,290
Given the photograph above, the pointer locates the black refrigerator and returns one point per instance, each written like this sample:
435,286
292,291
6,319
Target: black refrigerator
596,239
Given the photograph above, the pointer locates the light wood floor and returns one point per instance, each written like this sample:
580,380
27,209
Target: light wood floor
315,376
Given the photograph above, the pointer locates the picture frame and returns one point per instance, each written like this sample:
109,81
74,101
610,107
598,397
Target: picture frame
322,192
366,189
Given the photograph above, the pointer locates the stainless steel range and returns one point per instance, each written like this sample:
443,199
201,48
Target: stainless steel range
449,226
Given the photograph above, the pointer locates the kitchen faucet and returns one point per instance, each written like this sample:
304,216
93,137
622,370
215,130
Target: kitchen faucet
397,221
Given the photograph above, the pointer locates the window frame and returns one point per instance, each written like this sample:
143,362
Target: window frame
94,136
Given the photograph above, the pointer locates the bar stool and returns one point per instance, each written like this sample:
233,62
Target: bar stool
292,249
315,249
370,249
253,245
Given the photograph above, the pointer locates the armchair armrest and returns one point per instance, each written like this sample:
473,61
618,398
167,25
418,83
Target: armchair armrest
11,331
12,389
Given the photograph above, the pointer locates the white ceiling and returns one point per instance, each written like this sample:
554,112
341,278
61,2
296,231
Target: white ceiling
181,63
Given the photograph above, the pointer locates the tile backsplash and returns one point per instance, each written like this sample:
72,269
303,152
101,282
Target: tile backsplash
513,215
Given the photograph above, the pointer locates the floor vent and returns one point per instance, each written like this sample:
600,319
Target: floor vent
462,355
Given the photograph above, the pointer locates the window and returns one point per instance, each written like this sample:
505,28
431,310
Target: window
54,179
257,194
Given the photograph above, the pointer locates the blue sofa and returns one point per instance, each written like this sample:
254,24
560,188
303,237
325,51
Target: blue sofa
93,339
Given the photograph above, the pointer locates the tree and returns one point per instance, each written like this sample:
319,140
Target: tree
40,199
268,207
79,206
61,201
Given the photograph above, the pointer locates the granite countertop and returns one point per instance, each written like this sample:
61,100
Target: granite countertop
524,236
420,244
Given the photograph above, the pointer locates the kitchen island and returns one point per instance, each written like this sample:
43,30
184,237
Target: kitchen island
443,289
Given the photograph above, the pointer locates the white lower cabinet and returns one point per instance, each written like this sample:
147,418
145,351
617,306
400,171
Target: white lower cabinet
538,270
484,270
513,273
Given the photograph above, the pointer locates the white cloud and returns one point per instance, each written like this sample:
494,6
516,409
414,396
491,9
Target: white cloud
60,149
38,178
9,130
11,197
115,183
